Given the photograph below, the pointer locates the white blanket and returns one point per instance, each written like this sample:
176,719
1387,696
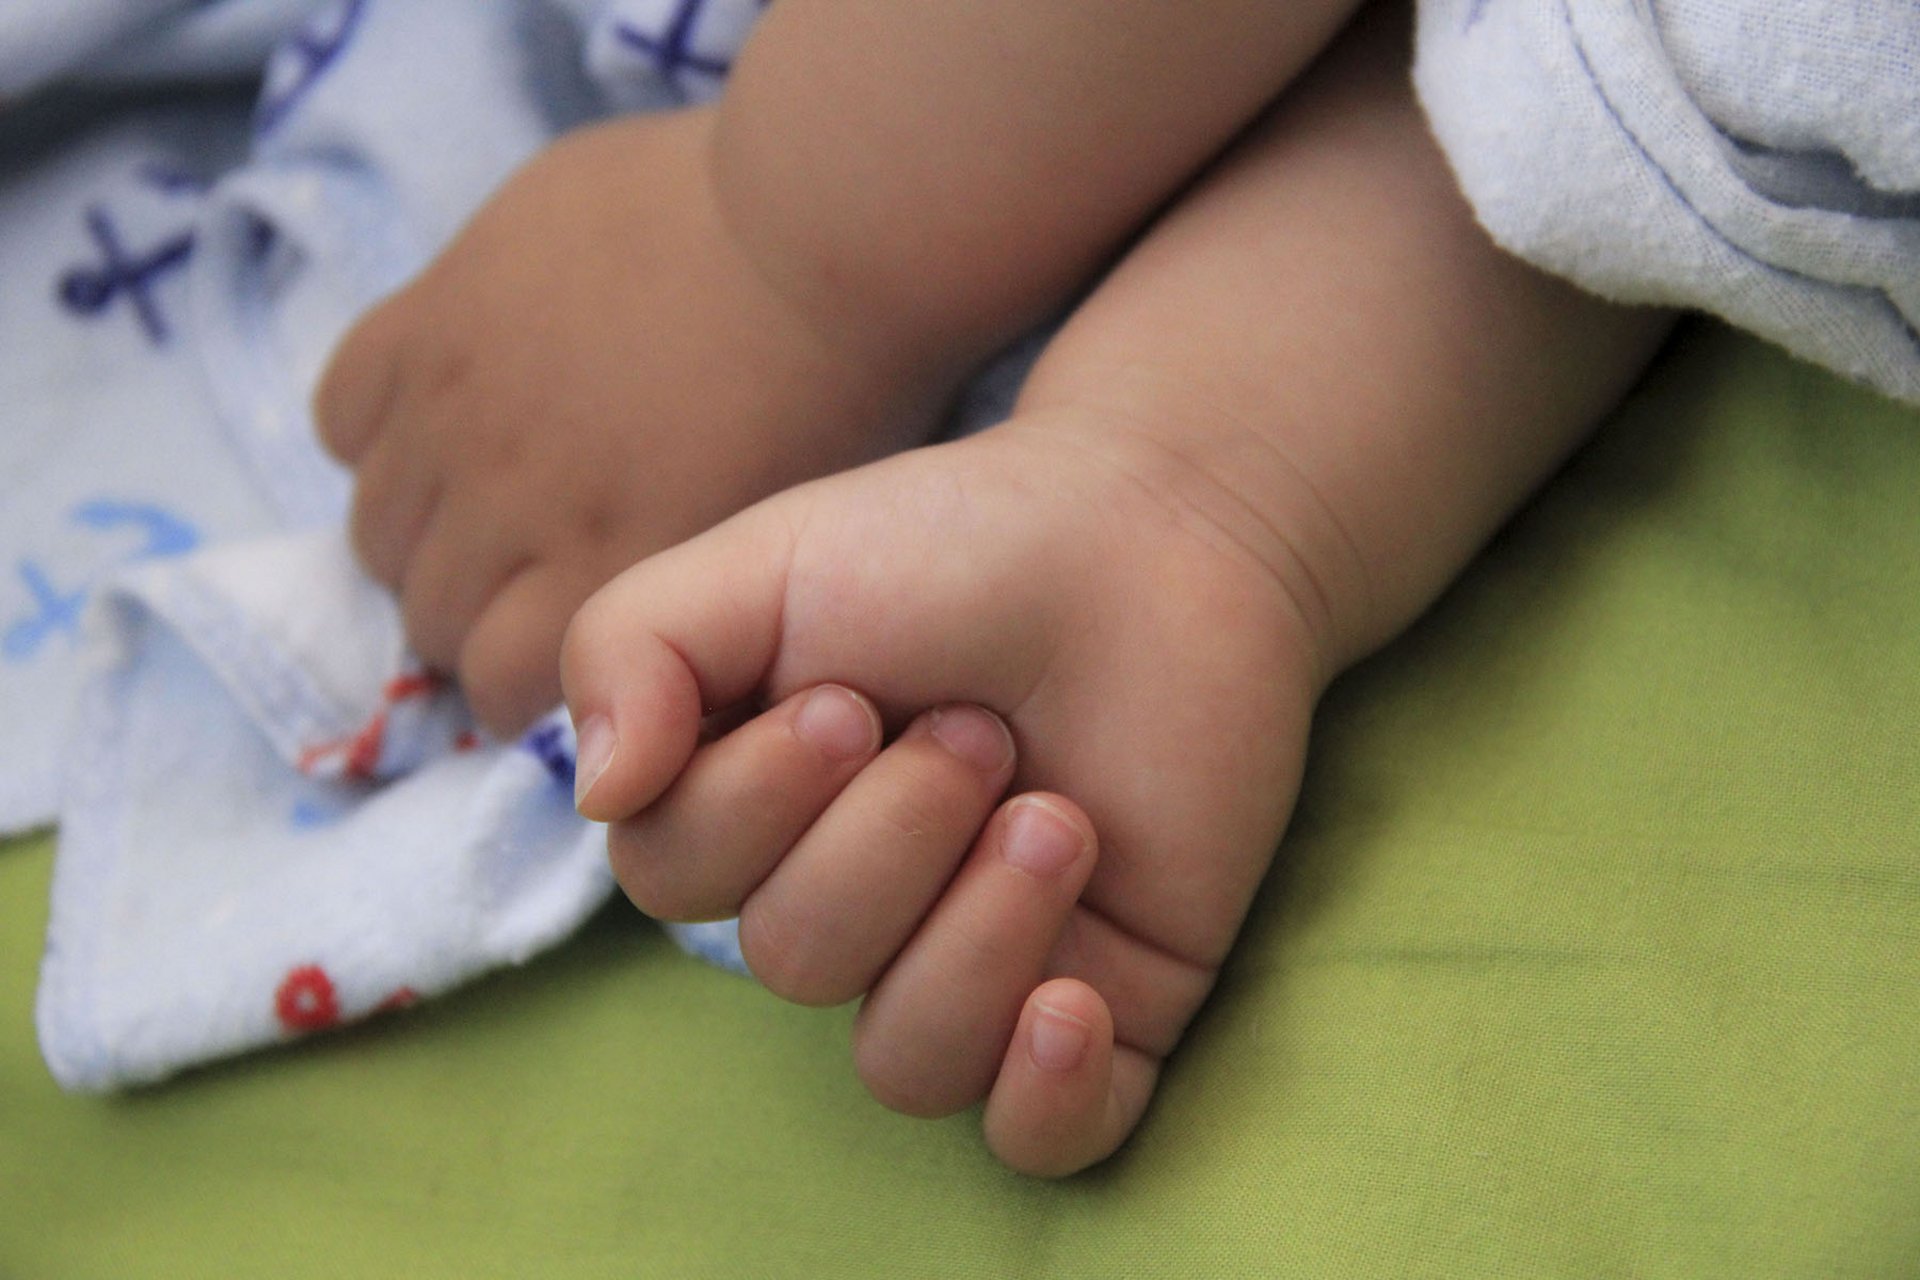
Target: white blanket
1756,159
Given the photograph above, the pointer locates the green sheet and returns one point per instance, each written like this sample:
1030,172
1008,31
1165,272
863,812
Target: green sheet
1594,951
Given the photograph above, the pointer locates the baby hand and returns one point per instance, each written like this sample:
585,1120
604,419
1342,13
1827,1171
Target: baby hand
1037,612
590,372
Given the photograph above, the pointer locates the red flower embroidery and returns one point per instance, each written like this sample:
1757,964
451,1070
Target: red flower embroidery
306,1000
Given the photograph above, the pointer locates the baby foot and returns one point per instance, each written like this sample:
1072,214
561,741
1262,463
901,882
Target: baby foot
1036,726
591,371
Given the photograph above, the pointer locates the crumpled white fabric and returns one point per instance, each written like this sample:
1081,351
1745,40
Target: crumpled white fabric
1757,160
271,820
274,823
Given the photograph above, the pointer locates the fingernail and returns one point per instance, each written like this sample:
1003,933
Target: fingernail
838,723
1059,1040
596,743
1039,840
976,736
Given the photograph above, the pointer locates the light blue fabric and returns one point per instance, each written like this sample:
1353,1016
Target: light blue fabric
39,41
108,455
271,824
275,825
381,126
1754,159
177,278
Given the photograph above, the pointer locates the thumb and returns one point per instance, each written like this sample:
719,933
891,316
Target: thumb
688,631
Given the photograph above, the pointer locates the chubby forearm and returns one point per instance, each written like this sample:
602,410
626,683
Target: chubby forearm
1369,386
953,171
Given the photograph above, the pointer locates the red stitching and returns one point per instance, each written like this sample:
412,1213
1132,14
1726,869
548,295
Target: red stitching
362,748
414,684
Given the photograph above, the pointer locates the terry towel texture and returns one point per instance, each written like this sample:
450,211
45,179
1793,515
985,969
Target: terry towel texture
272,822
1755,159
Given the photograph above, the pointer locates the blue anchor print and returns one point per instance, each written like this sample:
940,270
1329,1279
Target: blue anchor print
166,534
56,611
298,64
89,291
59,613
311,814
170,180
673,51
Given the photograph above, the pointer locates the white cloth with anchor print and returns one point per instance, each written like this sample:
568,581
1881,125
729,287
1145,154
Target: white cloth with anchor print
270,822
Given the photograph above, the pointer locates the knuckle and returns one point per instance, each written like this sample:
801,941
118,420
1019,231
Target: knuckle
980,947
333,395
445,372
361,367
375,522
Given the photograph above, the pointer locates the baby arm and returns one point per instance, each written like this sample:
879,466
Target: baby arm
956,171
1322,336
1256,451
661,319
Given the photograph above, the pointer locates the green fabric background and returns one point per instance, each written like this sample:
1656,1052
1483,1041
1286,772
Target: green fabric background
1592,952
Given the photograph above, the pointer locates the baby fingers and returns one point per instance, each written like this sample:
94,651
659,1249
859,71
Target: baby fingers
740,803
841,904
830,849
932,1035
1067,1096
